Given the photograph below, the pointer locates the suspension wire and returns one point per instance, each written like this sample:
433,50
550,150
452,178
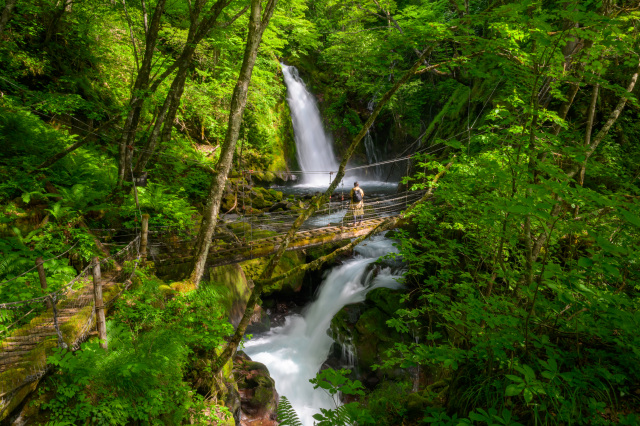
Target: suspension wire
35,267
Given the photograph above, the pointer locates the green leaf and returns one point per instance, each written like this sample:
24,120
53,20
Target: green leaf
513,390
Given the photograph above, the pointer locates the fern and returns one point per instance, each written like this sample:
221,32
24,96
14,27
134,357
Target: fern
287,416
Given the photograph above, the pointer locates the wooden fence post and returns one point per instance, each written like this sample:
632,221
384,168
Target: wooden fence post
144,237
99,304
42,276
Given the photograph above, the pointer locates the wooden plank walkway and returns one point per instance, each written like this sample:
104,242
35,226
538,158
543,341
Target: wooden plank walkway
24,352
240,252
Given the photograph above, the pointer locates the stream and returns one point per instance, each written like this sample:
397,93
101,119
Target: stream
294,352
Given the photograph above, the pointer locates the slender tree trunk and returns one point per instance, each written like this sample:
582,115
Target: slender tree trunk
133,40
171,117
53,24
169,107
613,117
6,13
141,85
590,149
145,18
166,116
589,130
238,103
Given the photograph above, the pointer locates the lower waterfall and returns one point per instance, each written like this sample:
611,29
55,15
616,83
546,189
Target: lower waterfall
295,351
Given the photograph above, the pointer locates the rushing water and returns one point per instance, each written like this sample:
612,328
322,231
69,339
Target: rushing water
314,145
295,352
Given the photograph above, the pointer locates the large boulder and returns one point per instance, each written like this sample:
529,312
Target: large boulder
362,329
258,396
253,268
232,282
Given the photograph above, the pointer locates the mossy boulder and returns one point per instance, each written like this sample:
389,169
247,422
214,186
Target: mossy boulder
267,178
231,281
166,291
364,326
257,389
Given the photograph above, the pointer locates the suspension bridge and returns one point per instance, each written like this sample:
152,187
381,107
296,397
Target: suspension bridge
241,238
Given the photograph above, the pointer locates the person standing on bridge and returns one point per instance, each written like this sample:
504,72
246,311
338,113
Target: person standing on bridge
357,203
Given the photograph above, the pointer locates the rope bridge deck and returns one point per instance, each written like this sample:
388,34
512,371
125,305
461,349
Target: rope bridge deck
242,238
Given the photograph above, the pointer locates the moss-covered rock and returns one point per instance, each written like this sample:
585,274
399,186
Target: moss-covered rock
256,387
231,281
364,327
253,268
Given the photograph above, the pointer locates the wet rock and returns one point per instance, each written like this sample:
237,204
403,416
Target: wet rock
260,321
257,390
281,205
361,329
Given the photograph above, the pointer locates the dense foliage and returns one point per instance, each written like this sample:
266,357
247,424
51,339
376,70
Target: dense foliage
522,287
523,271
153,341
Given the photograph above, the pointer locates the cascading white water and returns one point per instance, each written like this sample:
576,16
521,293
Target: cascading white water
295,352
314,145
372,156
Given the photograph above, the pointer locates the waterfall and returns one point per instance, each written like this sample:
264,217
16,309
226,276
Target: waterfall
294,352
369,146
314,145
370,149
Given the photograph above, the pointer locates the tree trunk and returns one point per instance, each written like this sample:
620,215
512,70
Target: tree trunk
141,85
613,117
170,106
6,13
589,130
133,39
53,24
238,102
571,173
168,110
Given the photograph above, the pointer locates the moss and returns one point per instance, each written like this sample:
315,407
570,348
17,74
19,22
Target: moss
166,290
231,281
263,396
385,299
183,286
17,399
291,259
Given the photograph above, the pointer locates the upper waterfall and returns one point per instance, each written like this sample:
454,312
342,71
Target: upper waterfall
314,145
